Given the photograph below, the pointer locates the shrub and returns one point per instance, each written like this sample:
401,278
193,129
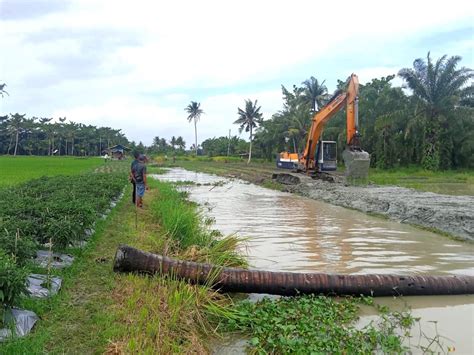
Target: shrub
21,247
12,280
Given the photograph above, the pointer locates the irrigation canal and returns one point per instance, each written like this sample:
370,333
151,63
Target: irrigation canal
287,232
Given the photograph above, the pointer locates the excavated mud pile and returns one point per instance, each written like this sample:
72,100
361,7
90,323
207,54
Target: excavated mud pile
451,214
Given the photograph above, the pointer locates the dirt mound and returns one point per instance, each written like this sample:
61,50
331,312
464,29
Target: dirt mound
446,213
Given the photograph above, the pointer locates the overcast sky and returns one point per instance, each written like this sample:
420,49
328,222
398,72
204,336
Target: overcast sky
135,65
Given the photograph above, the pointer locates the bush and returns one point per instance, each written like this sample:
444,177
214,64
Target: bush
12,280
22,247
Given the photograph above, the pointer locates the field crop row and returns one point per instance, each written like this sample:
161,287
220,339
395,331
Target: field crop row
55,210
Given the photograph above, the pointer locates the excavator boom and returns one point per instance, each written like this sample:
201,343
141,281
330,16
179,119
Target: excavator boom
356,160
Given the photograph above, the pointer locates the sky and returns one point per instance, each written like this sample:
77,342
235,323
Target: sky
135,65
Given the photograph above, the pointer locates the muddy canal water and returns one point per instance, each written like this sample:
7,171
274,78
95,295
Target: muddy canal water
287,232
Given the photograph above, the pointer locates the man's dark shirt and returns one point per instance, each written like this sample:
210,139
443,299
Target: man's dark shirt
139,170
134,163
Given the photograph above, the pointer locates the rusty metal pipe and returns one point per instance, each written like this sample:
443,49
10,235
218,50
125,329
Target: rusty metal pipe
128,259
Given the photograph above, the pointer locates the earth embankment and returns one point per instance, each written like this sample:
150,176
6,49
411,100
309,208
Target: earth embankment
446,213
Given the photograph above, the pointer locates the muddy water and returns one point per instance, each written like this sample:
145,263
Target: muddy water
291,233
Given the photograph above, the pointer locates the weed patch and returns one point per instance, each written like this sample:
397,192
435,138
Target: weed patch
318,324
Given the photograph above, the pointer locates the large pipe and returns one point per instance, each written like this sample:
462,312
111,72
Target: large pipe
128,259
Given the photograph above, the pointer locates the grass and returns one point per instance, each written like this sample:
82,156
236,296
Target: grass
14,170
450,182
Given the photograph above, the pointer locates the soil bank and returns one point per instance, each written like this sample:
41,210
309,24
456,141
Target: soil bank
449,214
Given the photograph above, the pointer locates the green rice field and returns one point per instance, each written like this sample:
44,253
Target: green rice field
14,170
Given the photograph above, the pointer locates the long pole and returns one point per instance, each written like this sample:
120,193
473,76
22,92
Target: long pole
228,145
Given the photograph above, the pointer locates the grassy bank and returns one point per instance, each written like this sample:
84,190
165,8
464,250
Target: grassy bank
98,311
15,170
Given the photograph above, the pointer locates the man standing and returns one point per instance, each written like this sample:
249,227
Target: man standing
135,162
140,179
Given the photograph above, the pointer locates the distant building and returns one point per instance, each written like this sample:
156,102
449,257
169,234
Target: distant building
117,151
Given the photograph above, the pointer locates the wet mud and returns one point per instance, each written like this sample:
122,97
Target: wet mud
446,213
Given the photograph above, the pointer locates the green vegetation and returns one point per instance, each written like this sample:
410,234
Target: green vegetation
12,281
133,313
447,182
194,114
130,312
54,210
15,170
80,318
40,136
317,324
248,120
433,127
189,232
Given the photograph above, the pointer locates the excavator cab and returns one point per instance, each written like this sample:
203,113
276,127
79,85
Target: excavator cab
326,154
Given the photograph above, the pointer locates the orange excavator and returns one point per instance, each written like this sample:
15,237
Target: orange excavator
320,156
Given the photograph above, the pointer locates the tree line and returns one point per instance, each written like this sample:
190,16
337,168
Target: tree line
428,122
175,145
41,136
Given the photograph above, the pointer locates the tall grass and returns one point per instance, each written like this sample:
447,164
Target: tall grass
168,316
184,225
163,314
178,217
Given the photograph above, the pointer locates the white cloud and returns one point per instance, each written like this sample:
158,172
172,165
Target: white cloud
136,65
367,74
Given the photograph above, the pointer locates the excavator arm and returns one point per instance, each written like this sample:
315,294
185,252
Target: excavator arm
348,98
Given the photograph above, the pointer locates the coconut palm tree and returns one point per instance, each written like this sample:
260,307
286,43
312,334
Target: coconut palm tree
315,92
195,112
249,119
438,88
173,142
180,143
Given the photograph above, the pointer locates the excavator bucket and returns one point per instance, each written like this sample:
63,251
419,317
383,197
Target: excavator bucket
357,166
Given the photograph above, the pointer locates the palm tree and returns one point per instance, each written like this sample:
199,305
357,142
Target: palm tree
315,92
194,111
2,89
248,119
438,89
173,142
180,143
